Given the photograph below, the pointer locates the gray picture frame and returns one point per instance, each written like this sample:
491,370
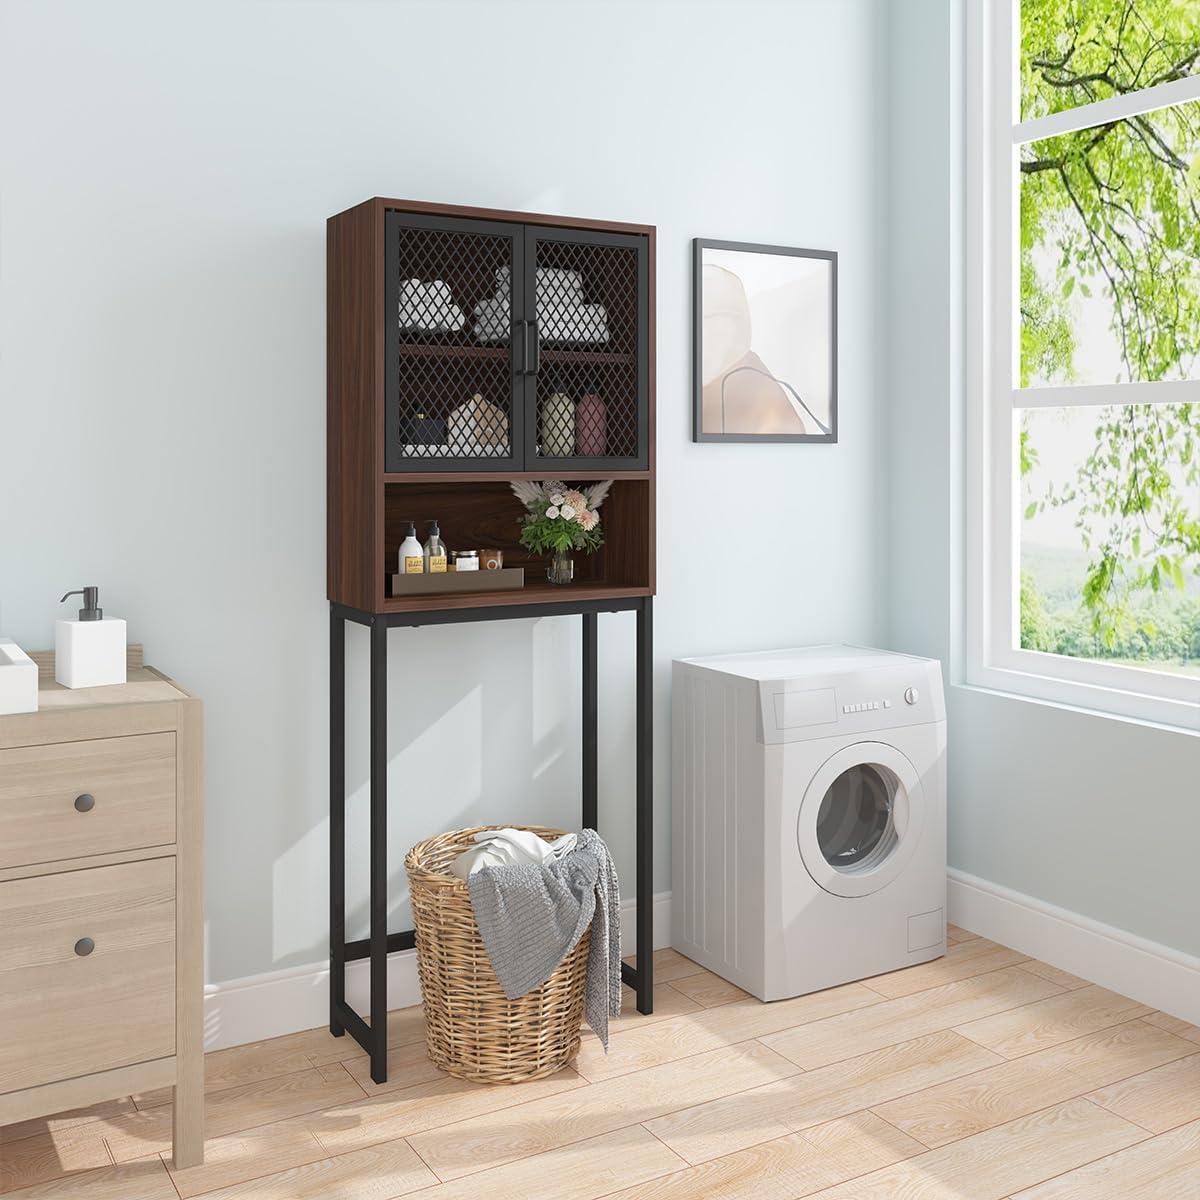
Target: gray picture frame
830,434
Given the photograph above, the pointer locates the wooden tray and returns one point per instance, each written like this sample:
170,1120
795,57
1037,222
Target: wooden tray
503,580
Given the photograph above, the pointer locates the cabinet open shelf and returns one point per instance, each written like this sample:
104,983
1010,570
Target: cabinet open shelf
484,515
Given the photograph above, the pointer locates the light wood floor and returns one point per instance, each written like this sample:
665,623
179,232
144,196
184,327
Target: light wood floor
983,1075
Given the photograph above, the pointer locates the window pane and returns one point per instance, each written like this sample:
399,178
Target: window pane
1110,252
1110,534
1074,52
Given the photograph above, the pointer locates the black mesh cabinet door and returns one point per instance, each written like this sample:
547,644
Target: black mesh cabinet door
455,375
587,378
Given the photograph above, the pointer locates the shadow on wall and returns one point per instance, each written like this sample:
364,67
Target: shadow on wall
461,752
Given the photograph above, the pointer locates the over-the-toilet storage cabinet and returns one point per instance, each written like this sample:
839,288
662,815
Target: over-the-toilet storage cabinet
468,348
471,347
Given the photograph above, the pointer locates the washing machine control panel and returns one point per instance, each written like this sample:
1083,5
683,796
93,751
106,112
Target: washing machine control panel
798,709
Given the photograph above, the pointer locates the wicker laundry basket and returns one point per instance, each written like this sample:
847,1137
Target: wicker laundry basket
472,1030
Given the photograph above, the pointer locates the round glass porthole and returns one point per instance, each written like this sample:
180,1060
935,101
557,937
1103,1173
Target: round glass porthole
856,822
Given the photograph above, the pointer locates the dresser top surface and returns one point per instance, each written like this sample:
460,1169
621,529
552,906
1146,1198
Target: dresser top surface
143,685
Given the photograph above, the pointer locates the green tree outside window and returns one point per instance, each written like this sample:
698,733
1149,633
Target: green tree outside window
1110,221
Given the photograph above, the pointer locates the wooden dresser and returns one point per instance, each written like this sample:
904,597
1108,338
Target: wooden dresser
101,926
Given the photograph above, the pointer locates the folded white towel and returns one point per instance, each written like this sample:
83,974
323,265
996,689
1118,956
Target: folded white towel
562,315
429,306
559,287
583,323
555,282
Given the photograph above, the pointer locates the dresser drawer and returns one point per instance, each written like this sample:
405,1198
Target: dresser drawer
71,799
64,1012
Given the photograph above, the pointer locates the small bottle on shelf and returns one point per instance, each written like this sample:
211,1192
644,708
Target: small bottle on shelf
558,426
412,555
591,424
435,551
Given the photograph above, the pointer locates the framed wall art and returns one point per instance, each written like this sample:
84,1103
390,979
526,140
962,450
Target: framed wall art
764,343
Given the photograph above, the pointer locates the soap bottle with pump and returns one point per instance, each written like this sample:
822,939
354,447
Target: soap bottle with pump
435,551
412,556
90,651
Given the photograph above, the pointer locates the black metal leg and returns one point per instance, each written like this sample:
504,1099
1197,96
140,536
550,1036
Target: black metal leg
590,706
379,875
645,807
337,820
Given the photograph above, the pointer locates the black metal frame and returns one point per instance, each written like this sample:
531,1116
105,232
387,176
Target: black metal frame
342,1018
699,245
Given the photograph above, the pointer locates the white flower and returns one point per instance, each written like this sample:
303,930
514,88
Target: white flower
552,511
556,499
566,512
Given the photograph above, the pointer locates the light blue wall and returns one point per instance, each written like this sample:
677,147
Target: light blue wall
1096,815
167,171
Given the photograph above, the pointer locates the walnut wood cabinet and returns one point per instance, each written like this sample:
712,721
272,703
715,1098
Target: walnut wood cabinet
470,347
467,348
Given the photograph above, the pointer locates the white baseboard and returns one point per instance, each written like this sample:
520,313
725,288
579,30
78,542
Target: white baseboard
1143,970
267,1006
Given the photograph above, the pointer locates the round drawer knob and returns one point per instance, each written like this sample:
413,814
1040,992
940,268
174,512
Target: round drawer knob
85,803
84,947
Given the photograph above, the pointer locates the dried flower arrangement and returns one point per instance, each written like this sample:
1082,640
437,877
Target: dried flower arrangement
558,518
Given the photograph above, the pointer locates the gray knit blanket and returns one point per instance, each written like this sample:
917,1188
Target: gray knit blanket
531,917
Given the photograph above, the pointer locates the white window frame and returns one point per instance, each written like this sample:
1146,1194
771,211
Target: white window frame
994,136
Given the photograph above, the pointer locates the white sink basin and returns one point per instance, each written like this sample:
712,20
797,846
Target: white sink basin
18,679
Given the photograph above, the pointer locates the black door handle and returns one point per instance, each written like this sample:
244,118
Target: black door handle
520,341
536,365
85,803
84,947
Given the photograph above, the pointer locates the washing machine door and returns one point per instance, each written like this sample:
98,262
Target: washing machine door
860,819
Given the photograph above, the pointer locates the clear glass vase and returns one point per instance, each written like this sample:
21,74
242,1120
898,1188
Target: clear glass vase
561,568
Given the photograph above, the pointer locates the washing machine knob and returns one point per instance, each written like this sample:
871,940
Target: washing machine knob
911,695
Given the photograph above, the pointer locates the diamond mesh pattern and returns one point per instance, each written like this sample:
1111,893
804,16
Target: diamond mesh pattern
587,384
455,376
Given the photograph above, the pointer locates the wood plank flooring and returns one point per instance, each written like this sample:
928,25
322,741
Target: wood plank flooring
980,1076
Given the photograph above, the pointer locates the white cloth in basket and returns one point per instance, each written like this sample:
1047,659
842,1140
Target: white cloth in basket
510,848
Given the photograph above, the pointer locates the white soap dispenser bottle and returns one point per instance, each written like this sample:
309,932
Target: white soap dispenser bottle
412,553
90,651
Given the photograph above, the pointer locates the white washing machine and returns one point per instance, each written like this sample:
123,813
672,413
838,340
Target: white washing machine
808,815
